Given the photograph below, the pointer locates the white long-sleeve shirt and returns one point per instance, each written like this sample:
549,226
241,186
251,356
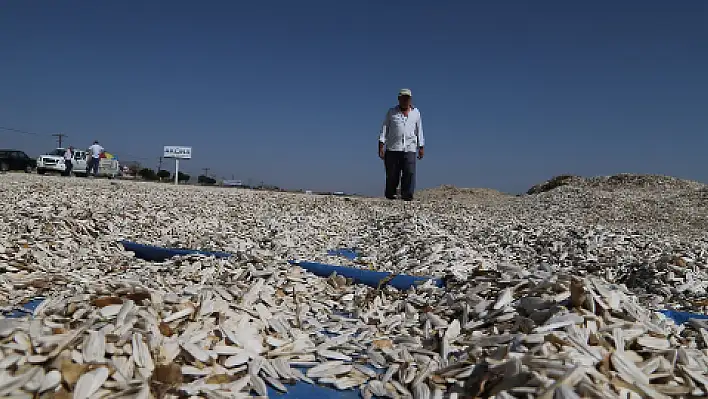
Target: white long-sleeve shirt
400,132
96,151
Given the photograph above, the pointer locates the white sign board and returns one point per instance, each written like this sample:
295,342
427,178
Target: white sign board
178,152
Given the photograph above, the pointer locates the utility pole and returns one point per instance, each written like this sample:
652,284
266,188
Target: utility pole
206,172
59,136
159,167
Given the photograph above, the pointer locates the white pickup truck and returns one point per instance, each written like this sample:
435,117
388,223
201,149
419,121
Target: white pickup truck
54,162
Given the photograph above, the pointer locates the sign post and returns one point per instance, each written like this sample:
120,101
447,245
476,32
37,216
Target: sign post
177,152
176,170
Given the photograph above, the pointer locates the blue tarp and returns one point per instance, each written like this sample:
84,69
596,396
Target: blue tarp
349,253
26,309
154,253
303,390
360,276
367,277
682,317
158,254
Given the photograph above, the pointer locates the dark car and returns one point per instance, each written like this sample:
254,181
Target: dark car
16,160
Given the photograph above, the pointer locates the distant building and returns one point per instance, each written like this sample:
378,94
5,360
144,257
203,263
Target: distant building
232,183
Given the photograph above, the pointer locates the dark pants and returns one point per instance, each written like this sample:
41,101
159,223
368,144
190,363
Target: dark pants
92,165
400,166
69,167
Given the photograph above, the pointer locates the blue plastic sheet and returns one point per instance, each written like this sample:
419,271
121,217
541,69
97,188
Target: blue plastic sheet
303,390
360,276
368,277
682,317
159,254
26,309
349,253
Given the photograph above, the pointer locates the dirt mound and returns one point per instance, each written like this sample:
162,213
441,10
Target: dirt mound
558,181
630,181
617,182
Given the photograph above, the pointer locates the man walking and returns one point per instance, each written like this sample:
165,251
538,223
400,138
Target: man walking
400,140
68,161
95,151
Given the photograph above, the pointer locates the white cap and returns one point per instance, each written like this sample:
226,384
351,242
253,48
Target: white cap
405,92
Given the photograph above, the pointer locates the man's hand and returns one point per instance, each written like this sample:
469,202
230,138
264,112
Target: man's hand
382,153
421,153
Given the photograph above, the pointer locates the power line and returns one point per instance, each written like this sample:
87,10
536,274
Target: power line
10,129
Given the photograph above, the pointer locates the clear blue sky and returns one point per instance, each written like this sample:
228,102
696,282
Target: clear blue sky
293,92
